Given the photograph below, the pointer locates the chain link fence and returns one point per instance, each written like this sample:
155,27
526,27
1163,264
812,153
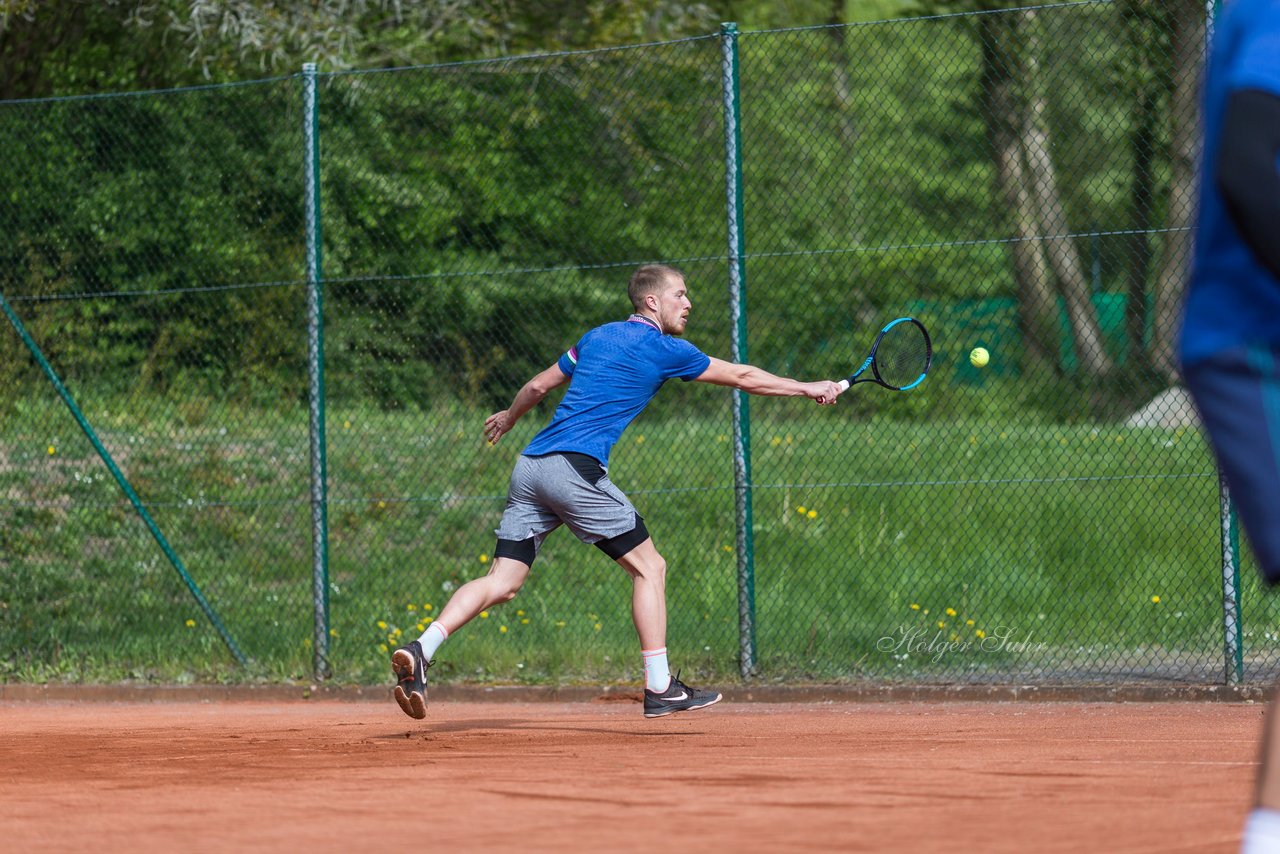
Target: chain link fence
1019,180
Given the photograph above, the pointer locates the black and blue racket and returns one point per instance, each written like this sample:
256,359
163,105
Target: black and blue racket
899,359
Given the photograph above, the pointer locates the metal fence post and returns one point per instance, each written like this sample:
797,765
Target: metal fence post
738,311
1233,655
315,377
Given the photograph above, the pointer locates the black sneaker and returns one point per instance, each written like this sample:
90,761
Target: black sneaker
410,667
678,697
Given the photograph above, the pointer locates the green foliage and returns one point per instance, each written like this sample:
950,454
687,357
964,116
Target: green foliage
477,217
1062,531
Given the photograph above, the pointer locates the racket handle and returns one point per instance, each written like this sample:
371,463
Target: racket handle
844,385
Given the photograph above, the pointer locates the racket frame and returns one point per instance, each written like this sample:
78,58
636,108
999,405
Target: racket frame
870,362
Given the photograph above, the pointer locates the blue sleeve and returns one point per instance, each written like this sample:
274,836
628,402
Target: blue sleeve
1257,63
568,361
687,361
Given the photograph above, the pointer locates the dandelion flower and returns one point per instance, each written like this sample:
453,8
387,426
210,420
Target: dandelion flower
598,627
484,558
559,624
951,612
519,613
525,621
427,621
801,510
812,514
427,607
969,623
484,615
191,624
382,647
382,624
1155,600
915,607
412,607
502,629
942,624
980,633
333,633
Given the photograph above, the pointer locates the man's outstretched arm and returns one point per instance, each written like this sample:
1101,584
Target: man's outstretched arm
755,380
531,393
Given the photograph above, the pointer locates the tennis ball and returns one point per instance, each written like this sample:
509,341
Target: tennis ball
978,357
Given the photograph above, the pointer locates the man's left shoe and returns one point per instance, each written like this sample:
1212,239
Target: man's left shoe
678,697
410,667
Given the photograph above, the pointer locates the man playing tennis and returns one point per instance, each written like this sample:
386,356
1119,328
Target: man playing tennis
562,477
1230,345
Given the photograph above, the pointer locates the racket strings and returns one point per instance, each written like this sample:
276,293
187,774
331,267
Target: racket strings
902,355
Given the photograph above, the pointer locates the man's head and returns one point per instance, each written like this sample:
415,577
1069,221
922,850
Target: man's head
659,291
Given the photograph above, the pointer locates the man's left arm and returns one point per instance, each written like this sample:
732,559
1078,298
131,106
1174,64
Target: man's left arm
499,423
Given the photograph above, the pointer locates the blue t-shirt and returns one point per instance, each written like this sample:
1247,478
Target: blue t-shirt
614,371
1232,299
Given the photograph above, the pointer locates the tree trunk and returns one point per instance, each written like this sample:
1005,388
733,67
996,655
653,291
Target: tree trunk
1037,308
1142,148
1063,257
840,76
1175,261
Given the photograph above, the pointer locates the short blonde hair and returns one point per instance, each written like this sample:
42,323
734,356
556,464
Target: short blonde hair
650,279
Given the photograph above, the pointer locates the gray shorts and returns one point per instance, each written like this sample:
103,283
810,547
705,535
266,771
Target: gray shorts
548,491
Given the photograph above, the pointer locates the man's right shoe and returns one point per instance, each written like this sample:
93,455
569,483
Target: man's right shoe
678,697
410,667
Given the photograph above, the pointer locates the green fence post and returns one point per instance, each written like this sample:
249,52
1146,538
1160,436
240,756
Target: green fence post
315,378
1233,654
738,311
121,481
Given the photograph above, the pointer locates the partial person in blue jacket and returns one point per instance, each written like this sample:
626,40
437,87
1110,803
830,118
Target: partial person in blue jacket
1230,341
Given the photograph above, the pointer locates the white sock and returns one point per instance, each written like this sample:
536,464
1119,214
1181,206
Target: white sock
431,639
657,673
1261,832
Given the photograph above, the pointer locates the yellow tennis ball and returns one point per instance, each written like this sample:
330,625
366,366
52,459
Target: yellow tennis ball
978,357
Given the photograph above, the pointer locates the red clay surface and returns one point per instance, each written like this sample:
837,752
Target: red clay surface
334,776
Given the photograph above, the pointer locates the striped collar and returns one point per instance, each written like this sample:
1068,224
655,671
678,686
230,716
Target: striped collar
648,321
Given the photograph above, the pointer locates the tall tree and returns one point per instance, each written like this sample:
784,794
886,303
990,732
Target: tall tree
1000,105
1014,103
1064,257
1175,259
1144,70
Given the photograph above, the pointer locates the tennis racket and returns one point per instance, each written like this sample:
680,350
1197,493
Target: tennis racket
899,359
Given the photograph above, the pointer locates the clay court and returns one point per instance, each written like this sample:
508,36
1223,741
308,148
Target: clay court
323,775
